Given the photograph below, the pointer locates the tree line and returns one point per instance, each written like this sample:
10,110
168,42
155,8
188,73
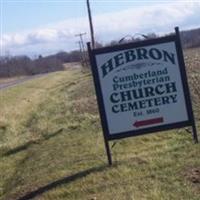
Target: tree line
23,65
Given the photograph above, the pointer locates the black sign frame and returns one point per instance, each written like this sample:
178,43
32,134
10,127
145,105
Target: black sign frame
171,38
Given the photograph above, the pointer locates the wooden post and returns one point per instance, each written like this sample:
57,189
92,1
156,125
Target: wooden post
91,24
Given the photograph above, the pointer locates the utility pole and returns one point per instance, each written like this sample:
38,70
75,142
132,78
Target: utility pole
82,48
81,40
91,24
81,52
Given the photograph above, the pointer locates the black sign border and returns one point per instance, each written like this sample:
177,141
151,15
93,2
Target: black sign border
171,38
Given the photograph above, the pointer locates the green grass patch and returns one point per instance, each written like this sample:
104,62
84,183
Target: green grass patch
51,147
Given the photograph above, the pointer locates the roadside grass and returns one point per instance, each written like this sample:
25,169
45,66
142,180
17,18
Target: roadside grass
51,147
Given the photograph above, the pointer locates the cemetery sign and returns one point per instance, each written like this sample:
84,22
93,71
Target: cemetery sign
141,87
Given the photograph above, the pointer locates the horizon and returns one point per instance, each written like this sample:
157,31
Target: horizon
35,28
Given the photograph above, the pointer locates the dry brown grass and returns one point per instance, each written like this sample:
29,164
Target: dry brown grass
192,61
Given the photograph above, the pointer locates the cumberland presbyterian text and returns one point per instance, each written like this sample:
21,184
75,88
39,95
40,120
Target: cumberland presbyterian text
150,95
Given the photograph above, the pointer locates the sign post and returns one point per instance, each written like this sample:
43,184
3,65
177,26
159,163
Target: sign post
194,130
141,88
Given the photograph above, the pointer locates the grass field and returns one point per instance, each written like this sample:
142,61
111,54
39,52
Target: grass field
51,146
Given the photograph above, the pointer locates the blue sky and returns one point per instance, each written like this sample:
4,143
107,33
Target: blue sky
25,14
35,27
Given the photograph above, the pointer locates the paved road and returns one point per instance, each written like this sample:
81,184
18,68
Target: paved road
17,82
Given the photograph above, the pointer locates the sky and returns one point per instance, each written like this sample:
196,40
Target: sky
33,27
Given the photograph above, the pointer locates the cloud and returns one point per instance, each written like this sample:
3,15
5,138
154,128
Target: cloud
34,37
156,17
159,18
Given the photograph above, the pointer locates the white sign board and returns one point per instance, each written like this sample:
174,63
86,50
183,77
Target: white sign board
141,87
